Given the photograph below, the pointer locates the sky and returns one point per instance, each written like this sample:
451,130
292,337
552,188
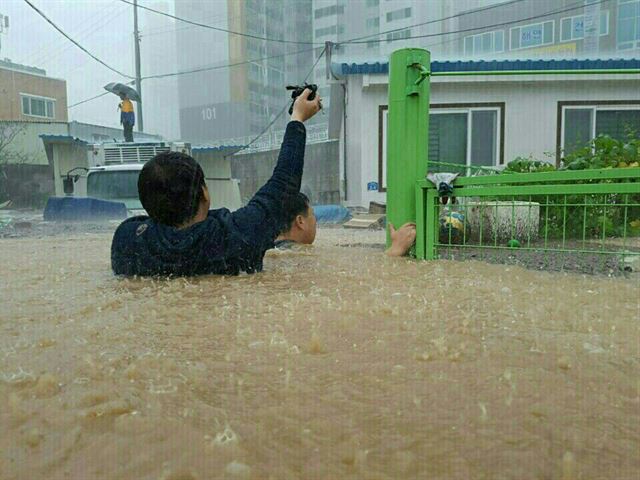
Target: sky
105,28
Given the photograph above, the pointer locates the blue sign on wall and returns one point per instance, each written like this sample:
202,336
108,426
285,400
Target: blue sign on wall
372,186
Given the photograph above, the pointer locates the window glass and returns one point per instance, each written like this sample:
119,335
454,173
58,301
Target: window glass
448,137
499,41
515,38
37,107
50,109
577,128
548,32
618,123
484,127
25,106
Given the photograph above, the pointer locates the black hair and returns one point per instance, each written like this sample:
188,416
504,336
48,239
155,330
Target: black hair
294,205
170,188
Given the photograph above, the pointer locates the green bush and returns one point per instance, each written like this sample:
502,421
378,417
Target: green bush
605,152
604,215
527,165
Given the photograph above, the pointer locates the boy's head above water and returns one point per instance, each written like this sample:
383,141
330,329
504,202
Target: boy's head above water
172,189
299,220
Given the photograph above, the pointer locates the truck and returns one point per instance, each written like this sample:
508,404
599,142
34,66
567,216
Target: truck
109,191
101,181
114,169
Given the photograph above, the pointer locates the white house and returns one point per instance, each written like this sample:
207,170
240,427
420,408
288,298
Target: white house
481,116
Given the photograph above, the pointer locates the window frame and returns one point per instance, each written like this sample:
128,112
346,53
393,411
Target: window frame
572,38
553,34
499,107
493,42
630,45
595,106
30,97
391,15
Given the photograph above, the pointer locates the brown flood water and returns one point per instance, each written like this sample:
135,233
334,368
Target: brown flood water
334,363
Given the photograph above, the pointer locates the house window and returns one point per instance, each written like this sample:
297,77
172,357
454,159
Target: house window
572,28
628,27
580,123
399,14
34,106
465,134
533,35
488,42
373,3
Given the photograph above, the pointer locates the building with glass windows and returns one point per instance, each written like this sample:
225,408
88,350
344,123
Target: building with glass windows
595,28
28,94
218,102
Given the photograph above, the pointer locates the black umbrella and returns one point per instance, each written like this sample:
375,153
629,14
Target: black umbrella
119,88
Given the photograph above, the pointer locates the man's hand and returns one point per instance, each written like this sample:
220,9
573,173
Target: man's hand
401,239
303,108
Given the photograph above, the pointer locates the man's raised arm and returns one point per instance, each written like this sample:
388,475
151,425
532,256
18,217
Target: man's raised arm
260,220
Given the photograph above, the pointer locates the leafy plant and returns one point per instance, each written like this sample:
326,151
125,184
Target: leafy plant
605,152
527,165
567,217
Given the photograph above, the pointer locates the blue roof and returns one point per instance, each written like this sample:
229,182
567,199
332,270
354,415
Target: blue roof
496,65
62,139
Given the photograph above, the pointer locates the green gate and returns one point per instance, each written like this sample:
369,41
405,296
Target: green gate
586,220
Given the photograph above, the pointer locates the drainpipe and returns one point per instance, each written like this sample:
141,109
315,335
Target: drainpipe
344,140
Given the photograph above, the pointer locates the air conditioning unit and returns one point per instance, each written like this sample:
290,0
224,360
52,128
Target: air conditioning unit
105,154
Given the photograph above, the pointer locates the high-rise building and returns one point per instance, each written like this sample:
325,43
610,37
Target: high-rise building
479,28
219,102
158,56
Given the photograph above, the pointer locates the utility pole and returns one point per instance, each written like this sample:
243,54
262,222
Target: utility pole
136,38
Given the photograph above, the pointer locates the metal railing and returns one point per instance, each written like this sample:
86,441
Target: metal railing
273,139
587,220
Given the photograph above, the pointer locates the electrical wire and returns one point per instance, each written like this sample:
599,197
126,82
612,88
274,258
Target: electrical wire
284,109
457,15
211,27
502,24
28,2
218,67
82,34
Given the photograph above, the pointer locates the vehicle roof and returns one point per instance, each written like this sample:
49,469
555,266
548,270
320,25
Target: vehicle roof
117,168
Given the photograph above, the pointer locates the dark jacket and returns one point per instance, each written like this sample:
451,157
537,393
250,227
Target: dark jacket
226,242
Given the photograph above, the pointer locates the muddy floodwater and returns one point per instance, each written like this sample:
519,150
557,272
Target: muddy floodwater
335,362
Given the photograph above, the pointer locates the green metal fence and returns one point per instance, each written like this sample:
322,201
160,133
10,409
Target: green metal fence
586,221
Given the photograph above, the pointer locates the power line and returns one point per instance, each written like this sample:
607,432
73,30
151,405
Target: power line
202,69
547,14
82,34
204,25
218,67
457,15
265,129
88,100
74,42
97,96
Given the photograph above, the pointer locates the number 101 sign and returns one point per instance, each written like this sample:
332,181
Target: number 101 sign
209,113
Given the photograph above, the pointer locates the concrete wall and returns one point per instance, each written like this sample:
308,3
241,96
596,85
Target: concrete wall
26,185
27,143
13,83
531,105
321,179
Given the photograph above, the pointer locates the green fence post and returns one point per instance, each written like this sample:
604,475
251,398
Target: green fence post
407,132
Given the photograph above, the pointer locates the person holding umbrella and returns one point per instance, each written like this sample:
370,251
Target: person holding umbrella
127,117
